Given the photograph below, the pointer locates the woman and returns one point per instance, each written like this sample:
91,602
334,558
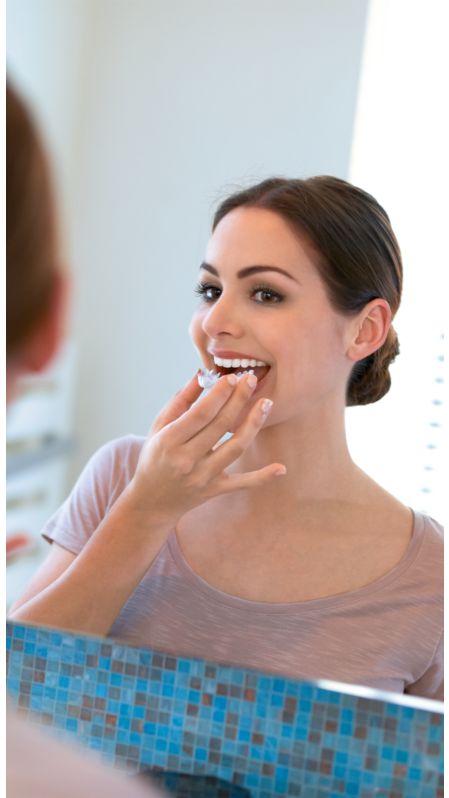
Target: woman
36,292
272,550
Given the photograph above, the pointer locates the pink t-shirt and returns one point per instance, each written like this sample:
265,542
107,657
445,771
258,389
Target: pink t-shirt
387,634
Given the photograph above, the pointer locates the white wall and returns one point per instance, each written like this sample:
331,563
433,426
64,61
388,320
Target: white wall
185,99
45,50
156,109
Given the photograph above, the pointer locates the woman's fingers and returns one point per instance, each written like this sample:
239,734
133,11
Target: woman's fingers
222,457
176,407
224,421
203,413
252,479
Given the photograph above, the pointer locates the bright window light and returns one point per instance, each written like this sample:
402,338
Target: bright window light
399,156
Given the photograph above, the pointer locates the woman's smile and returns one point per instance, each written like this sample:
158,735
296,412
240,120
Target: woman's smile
229,362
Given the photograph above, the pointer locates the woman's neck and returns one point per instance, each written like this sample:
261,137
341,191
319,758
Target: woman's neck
316,455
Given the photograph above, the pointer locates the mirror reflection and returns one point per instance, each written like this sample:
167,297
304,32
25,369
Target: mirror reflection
242,527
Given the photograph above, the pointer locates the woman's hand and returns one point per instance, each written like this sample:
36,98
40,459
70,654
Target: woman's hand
179,468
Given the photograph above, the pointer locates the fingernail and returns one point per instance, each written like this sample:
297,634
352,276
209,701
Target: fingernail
232,379
280,472
251,380
266,406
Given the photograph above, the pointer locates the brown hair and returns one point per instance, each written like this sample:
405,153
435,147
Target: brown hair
358,256
31,261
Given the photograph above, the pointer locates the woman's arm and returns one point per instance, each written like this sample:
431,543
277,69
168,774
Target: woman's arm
178,469
86,592
56,562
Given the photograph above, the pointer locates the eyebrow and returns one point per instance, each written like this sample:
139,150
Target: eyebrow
249,270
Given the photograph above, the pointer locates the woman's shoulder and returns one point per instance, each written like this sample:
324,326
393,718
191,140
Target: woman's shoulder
109,470
415,528
127,446
429,532
101,482
118,457
425,557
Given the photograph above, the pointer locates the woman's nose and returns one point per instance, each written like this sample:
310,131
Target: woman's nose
222,318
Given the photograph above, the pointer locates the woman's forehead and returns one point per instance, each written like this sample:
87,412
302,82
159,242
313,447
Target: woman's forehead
250,236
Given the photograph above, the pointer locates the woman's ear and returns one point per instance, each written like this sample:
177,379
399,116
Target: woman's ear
42,344
370,329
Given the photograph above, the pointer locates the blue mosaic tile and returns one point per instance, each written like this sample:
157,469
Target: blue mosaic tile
269,736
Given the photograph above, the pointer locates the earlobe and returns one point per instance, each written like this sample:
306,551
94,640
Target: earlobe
370,329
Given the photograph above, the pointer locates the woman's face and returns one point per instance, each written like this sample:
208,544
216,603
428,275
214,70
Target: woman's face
261,298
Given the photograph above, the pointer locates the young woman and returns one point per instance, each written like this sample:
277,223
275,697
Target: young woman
273,549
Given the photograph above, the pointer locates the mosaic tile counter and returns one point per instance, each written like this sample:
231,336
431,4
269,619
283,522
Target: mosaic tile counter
269,735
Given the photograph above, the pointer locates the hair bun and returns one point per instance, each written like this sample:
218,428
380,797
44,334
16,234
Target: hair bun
370,378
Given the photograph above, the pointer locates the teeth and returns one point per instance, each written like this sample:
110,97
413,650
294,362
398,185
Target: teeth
236,363
243,373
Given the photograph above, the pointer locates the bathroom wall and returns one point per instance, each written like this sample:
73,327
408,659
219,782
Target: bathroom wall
160,108
269,735
185,100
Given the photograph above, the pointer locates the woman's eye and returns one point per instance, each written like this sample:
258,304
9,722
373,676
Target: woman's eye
267,296
262,295
208,293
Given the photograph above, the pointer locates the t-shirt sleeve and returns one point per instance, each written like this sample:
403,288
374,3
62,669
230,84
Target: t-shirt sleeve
431,683
101,482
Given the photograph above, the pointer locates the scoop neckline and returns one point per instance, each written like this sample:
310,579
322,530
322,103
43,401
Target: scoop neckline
314,605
